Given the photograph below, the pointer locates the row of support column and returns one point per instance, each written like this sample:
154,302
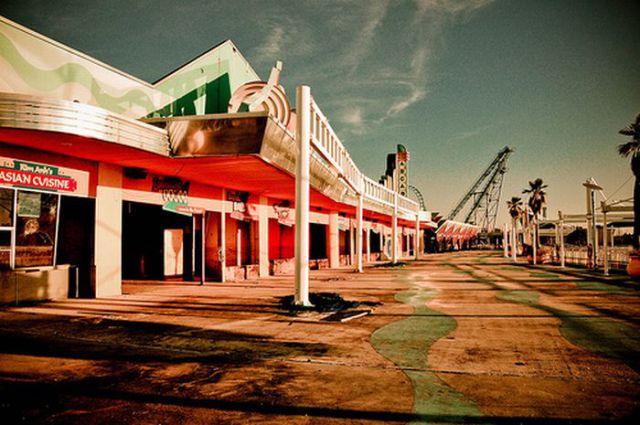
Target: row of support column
109,223
509,234
303,136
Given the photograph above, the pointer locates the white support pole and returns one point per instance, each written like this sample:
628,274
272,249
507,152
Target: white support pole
605,242
416,242
514,240
203,256
368,245
505,239
595,229
394,230
352,243
561,232
222,255
303,124
263,237
238,246
589,215
535,241
359,234
334,241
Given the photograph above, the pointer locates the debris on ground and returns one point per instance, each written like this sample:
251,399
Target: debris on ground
345,316
323,302
390,264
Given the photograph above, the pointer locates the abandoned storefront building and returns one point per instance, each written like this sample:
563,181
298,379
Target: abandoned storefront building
105,178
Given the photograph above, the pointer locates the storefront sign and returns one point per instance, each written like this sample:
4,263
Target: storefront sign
175,194
189,209
171,188
240,209
283,212
343,223
177,207
31,175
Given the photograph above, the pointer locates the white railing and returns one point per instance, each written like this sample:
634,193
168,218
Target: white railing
407,204
325,142
377,192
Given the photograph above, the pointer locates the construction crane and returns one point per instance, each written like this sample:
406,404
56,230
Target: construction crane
418,194
484,195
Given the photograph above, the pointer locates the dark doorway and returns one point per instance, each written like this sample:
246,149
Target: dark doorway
76,243
318,241
144,229
374,241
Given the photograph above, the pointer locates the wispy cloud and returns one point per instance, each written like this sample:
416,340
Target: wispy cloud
354,119
368,63
359,48
467,134
420,41
274,42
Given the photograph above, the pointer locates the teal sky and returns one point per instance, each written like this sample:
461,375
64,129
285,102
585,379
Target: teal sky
454,81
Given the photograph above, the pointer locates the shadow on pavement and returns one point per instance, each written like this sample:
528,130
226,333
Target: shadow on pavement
41,393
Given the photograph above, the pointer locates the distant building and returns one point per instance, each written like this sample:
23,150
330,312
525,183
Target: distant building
396,176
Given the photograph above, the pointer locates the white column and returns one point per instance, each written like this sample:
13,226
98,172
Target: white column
605,242
416,241
407,242
589,215
108,231
369,245
334,241
514,239
238,246
596,248
505,240
263,237
352,251
535,240
303,124
359,234
223,238
394,230
561,233
203,251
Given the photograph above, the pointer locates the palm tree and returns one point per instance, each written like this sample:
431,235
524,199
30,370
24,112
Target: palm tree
515,210
537,199
632,147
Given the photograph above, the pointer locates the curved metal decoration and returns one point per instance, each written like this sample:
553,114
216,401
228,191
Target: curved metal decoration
261,96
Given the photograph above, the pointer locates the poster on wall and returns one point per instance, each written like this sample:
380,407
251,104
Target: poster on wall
29,204
32,175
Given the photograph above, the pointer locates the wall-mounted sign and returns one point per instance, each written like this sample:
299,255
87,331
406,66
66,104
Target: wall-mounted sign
171,188
175,195
283,212
240,209
31,175
343,223
29,204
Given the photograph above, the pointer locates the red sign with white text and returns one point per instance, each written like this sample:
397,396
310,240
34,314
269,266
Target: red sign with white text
30,175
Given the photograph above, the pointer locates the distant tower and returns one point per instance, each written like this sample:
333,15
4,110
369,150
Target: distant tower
396,176
402,169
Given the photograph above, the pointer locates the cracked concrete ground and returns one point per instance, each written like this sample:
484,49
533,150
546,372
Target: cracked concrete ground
465,337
